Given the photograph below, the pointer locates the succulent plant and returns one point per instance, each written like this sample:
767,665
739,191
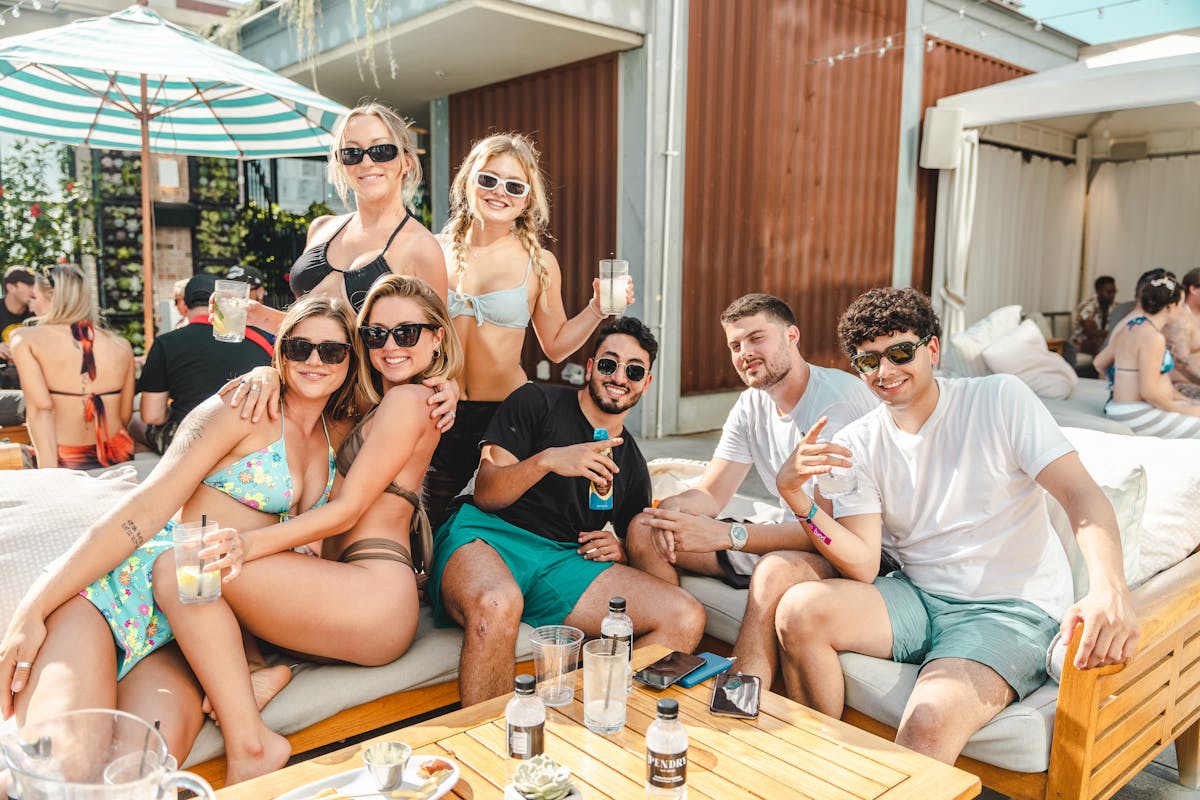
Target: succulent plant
542,778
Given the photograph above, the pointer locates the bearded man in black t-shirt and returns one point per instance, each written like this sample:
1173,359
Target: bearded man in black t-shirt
528,546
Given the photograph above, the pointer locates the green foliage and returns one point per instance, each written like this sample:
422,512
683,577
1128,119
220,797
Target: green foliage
40,211
272,238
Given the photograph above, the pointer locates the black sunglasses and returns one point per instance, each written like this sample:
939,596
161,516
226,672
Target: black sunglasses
607,366
406,334
379,153
295,349
868,361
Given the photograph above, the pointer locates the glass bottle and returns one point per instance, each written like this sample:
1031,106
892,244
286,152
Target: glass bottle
618,625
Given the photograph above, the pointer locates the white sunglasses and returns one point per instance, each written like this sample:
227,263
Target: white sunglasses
510,186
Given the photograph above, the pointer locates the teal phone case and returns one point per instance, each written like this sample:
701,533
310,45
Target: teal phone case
713,665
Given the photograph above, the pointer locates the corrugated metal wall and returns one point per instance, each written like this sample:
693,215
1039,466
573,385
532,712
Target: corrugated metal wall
790,175
949,69
571,112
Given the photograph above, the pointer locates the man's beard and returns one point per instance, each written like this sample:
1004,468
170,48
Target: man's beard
612,405
771,372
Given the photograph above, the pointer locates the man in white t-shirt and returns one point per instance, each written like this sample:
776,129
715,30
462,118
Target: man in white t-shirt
785,397
948,479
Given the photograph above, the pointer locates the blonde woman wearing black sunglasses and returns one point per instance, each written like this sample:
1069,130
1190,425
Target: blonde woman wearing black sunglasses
501,280
374,159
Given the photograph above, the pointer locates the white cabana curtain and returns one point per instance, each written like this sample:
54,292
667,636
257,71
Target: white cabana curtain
1028,233
1142,215
955,216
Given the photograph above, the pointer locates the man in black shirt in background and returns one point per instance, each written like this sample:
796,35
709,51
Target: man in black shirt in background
186,366
14,310
527,546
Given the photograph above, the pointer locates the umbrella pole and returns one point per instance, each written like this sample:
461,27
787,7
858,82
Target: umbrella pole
147,226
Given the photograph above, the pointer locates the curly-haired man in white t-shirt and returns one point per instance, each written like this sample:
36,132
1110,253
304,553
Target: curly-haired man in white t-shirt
949,478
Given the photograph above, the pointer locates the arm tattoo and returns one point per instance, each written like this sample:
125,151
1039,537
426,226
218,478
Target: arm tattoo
191,429
133,532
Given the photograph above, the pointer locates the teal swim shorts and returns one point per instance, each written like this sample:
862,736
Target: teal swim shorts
1010,636
552,576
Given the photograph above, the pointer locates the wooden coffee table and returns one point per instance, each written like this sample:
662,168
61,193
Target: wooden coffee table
789,751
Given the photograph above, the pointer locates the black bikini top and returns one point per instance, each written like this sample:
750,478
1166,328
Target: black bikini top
313,265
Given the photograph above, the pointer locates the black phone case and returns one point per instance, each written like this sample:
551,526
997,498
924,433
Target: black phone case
736,695
670,668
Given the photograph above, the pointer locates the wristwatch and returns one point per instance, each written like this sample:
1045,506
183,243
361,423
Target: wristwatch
737,536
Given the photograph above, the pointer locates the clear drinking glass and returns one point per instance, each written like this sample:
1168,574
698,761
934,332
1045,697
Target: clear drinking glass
605,671
230,300
196,586
614,284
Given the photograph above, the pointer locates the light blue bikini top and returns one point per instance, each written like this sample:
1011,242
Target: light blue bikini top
262,480
507,308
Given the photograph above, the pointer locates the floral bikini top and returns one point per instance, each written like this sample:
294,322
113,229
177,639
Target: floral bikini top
262,480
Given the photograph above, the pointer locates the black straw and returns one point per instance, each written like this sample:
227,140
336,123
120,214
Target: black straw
200,577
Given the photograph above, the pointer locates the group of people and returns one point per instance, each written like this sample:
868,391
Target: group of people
396,389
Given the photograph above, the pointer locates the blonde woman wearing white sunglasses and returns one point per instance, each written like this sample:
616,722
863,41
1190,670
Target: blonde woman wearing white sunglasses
501,280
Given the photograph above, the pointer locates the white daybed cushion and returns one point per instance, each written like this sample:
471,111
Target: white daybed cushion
317,692
1023,353
1125,484
962,353
1170,531
1018,738
42,513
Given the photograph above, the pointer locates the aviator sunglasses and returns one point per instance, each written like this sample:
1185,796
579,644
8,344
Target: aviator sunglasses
296,349
900,353
511,186
379,153
607,366
406,334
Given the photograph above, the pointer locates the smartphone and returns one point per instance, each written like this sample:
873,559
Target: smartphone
668,669
713,665
735,695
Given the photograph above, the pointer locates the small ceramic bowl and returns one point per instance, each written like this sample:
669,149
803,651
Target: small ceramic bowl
386,761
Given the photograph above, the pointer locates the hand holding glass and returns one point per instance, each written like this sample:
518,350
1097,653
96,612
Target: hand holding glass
614,285
195,585
230,301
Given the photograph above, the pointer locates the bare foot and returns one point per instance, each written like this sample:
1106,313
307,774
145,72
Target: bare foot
266,682
270,756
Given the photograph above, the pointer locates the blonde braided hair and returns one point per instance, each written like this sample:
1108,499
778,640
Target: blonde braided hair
529,227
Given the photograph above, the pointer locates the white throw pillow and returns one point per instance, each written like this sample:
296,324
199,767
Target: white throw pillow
1023,353
1125,488
42,512
962,353
1170,531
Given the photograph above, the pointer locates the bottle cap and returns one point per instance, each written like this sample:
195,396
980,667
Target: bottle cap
524,684
599,434
668,709
617,605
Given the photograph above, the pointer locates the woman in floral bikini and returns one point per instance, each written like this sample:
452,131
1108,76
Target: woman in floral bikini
58,653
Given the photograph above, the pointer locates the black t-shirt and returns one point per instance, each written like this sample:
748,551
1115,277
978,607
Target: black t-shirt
191,365
536,417
9,321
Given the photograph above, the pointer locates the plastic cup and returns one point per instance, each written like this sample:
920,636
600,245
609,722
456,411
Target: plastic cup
555,656
614,283
605,671
230,300
837,482
196,586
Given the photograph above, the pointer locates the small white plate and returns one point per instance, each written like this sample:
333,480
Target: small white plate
359,781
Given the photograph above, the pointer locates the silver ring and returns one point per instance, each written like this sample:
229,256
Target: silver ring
24,665
254,387
242,382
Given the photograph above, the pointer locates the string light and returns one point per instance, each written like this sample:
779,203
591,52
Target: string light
14,10
881,45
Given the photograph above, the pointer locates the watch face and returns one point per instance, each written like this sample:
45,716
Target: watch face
738,534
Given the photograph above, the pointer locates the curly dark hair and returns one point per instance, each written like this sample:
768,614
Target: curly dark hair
630,326
886,311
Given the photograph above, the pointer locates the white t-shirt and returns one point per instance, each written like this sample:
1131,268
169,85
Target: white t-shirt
756,433
962,513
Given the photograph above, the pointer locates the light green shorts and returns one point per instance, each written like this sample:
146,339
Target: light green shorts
552,575
1010,636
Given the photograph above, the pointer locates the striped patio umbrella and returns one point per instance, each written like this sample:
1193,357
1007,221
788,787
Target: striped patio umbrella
133,81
